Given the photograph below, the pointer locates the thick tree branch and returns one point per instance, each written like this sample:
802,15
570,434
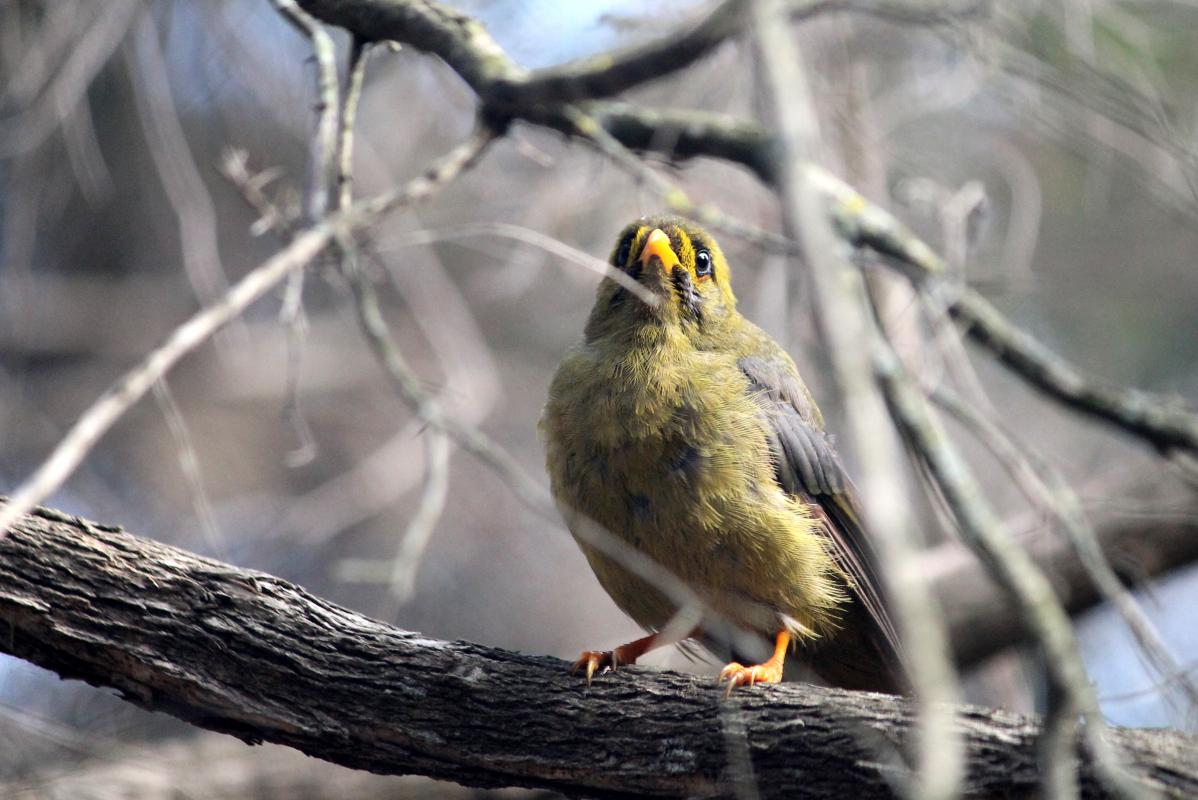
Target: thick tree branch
981,621
255,656
464,44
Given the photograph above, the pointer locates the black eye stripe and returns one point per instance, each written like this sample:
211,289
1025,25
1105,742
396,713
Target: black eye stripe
692,301
624,250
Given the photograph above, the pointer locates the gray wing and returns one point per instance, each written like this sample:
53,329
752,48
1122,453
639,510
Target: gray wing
806,465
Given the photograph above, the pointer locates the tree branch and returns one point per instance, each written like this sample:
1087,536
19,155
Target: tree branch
981,621
305,246
1166,425
463,43
252,655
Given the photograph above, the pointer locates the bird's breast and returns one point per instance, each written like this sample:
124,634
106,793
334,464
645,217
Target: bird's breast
654,449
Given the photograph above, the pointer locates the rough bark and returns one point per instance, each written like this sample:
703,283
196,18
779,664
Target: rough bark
252,655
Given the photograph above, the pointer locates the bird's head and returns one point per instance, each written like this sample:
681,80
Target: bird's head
681,265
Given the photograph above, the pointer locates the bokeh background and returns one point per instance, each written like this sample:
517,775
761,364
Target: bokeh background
1067,127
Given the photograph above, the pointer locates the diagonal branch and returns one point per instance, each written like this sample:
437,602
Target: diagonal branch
1166,424
132,386
1024,584
469,50
839,292
252,655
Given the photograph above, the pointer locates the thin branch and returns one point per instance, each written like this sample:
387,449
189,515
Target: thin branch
358,55
420,528
1163,422
556,247
843,324
1020,578
324,145
672,195
132,386
1046,487
466,47
325,138
405,563
189,464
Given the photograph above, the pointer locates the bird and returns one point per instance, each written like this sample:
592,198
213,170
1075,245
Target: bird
683,430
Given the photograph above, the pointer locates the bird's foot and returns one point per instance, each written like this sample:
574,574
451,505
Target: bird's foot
740,675
595,661
607,660
604,660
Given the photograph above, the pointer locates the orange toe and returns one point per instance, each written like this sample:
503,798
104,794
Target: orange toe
595,661
740,675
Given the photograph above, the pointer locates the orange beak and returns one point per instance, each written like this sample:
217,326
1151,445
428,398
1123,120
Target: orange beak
658,245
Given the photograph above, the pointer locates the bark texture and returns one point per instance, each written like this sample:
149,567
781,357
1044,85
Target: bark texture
255,656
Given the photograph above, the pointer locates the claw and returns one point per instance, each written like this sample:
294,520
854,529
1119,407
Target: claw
608,660
593,660
739,675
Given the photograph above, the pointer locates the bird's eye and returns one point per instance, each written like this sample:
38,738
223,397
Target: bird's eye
624,250
703,264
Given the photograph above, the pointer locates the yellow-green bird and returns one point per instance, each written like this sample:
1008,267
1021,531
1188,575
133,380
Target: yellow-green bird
685,431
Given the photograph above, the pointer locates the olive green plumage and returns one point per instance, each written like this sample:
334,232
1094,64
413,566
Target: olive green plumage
686,431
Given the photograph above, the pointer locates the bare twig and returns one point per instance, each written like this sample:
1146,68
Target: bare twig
1046,487
571,255
325,138
674,197
428,512
839,291
271,217
1164,423
437,445
1022,580
132,386
189,463
358,55
324,144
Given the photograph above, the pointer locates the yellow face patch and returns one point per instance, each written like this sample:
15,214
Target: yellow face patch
696,252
